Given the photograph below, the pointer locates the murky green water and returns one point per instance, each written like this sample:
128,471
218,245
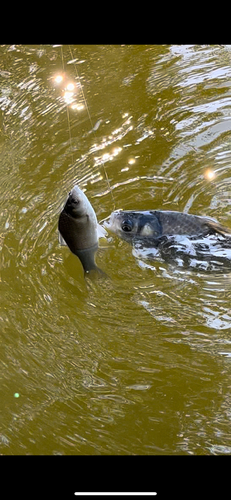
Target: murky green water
138,363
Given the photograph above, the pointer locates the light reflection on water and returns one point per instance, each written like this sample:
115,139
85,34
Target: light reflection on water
88,356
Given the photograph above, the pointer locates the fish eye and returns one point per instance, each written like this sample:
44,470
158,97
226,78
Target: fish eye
127,226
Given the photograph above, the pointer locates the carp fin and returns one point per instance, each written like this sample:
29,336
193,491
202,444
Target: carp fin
216,227
62,242
95,273
101,232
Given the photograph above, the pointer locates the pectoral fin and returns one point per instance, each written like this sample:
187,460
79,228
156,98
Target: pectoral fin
101,232
62,242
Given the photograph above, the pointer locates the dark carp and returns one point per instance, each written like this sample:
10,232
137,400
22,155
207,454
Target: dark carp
152,224
172,235
79,229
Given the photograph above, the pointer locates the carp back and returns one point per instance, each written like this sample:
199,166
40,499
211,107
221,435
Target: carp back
153,224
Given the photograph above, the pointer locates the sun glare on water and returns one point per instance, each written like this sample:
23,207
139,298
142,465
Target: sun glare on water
69,89
58,78
209,174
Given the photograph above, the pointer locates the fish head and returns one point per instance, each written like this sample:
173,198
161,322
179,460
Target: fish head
121,224
77,204
129,224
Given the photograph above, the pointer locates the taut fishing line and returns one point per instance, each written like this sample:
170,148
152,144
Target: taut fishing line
67,110
89,116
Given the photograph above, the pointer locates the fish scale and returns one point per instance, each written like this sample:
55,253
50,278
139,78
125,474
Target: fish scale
180,223
172,235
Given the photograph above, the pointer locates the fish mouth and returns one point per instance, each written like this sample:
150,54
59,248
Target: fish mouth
105,222
110,217
106,225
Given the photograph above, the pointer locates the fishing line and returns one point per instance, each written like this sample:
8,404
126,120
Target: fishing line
67,110
80,84
89,116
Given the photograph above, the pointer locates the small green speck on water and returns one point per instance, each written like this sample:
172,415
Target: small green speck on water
16,395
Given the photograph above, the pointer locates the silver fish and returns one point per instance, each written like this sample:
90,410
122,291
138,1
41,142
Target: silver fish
153,224
78,228
172,235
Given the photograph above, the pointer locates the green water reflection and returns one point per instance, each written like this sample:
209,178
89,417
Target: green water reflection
138,363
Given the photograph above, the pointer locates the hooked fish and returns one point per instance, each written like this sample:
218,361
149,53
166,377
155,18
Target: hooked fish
163,230
79,229
152,224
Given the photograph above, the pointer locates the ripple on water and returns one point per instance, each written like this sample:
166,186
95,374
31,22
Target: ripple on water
87,357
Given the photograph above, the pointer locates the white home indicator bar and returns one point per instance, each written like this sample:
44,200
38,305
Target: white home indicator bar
118,493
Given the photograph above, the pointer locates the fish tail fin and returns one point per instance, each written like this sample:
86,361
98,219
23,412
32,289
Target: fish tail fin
216,227
95,273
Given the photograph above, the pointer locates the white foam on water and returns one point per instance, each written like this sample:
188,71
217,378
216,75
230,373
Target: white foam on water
202,253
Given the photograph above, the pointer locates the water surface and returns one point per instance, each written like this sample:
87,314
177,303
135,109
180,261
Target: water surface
138,363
